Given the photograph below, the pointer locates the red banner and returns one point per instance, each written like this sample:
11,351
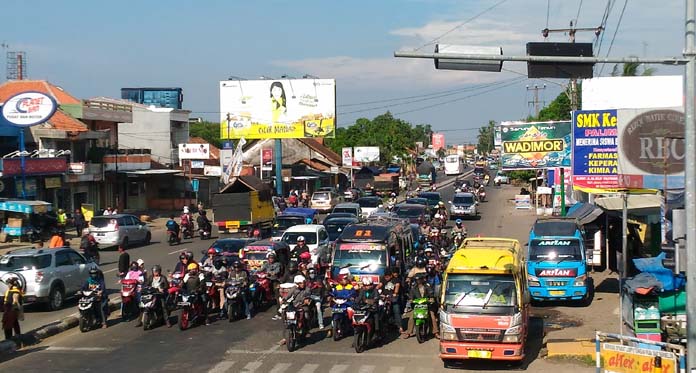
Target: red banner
438,141
34,166
267,156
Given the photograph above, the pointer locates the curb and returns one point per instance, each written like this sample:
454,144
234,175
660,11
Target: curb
35,336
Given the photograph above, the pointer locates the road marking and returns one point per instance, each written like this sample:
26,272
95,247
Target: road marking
367,369
308,368
222,367
339,368
328,353
396,370
252,366
176,251
280,368
110,270
78,349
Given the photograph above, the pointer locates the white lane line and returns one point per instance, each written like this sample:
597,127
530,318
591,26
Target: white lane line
110,270
327,353
339,368
78,349
252,367
396,370
280,368
176,251
222,367
366,369
308,368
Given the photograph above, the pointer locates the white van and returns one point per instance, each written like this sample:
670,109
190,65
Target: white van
316,238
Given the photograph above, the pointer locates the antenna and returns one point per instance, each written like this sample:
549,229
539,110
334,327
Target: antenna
16,64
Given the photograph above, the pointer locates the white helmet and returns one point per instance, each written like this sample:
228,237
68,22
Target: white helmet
367,280
438,216
299,279
186,210
300,238
428,249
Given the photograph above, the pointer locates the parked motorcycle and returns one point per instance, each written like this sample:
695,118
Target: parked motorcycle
421,316
129,307
234,299
339,318
88,305
191,309
151,307
173,238
363,326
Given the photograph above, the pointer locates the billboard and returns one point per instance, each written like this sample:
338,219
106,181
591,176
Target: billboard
535,145
194,151
632,92
267,159
438,141
595,157
366,154
651,148
275,109
347,156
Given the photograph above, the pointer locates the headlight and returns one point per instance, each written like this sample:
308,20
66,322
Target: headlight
447,331
448,336
580,280
533,281
512,338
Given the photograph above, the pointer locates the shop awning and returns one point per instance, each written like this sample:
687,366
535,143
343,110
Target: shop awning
25,207
585,212
635,202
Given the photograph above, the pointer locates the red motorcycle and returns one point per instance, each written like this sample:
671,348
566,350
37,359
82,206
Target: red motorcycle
129,305
261,290
211,290
175,283
191,309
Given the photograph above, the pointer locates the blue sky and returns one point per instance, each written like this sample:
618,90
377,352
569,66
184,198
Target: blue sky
95,48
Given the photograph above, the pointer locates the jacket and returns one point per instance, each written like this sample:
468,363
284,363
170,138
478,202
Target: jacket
416,293
273,270
123,262
298,296
162,284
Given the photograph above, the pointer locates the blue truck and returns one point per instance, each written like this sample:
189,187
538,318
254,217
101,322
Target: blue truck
557,261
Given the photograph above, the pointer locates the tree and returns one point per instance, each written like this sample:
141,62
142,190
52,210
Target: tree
632,69
209,131
486,140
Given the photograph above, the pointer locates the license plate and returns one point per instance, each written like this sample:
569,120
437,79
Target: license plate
183,304
338,310
232,225
557,292
557,283
101,234
208,284
478,354
290,315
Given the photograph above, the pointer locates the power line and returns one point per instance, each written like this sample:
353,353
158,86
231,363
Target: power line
578,14
462,24
548,9
404,97
605,18
616,31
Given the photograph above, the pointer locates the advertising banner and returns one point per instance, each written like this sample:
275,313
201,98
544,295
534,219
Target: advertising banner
267,159
366,154
347,155
212,171
277,109
197,164
628,359
194,151
535,145
651,148
438,141
498,137
595,157
523,202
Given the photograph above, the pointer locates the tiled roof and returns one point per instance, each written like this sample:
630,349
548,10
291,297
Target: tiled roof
323,150
12,87
319,166
214,151
64,122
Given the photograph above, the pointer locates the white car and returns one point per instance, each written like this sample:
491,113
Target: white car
501,178
368,205
119,230
315,235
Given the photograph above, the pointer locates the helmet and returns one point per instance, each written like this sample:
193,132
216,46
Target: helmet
186,210
93,273
140,262
217,263
441,204
300,239
189,255
182,256
438,216
306,256
434,231
421,262
299,279
271,255
312,273
156,268
393,194
458,221
429,249
192,267
237,264
367,280
134,266
212,251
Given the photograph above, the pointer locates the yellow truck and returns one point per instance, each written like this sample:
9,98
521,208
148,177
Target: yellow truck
484,305
243,204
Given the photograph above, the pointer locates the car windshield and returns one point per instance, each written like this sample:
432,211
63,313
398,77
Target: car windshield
13,263
555,250
230,246
479,170
463,200
324,196
369,202
255,256
359,254
418,201
291,237
285,222
479,290
335,229
349,210
409,212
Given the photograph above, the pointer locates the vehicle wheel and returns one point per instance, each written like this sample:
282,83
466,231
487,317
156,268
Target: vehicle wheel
291,340
147,321
84,325
148,238
184,320
422,333
124,244
359,339
335,330
56,298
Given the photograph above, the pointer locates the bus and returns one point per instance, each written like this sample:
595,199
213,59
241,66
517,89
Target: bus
453,165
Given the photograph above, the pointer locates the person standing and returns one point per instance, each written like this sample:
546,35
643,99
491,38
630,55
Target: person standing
79,222
13,311
123,262
61,219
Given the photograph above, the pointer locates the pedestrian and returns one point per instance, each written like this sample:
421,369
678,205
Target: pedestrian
61,219
79,222
123,262
56,241
13,308
108,211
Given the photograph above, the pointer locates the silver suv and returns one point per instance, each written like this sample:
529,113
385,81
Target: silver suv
50,274
119,230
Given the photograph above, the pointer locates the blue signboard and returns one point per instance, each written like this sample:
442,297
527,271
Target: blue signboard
194,185
595,157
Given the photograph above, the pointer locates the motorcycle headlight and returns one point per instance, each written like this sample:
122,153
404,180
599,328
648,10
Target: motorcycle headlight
580,280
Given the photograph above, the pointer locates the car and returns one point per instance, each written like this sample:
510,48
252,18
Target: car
352,208
292,216
464,205
352,194
368,205
501,178
415,213
340,215
479,171
316,238
324,201
119,230
49,275
335,225
433,198
228,247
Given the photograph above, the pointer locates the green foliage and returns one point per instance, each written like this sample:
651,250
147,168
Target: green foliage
210,131
486,138
522,175
632,69
393,136
558,109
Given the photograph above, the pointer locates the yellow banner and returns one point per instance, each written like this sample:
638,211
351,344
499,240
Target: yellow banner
236,128
624,359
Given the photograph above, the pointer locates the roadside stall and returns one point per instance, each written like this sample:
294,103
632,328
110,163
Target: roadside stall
25,219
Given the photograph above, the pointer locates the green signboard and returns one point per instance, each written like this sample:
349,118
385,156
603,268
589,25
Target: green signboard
535,145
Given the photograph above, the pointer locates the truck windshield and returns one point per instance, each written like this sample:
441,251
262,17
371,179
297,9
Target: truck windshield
555,250
283,223
359,254
466,291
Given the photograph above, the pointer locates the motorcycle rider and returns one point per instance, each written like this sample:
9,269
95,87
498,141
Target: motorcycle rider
368,295
418,268
288,277
442,210
273,270
95,283
185,259
458,230
317,290
300,248
421,290
301,299
203,222
186,220
436,222
194,284
172,226
159,282
209,260
480,191
237,272
220,274
390,286
88,244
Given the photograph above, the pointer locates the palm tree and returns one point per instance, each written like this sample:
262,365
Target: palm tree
632,69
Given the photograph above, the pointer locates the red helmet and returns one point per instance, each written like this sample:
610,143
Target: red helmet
305,256
212,251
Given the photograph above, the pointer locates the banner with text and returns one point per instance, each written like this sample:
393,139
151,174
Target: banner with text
535,145
594,151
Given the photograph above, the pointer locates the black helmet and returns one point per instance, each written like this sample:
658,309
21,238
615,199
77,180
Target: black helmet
134,266
217,263
421,262
237,264
182,256
156,268
189,255
94,273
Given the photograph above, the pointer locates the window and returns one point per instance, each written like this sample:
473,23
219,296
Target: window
63,259
323,235
11,263
76,258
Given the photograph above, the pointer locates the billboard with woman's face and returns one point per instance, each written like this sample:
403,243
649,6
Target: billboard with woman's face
276,109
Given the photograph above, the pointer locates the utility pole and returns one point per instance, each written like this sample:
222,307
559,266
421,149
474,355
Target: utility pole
536,101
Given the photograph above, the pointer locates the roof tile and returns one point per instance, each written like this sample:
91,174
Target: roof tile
13,87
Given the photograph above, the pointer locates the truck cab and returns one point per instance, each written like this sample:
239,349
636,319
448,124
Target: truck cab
484,305
557,261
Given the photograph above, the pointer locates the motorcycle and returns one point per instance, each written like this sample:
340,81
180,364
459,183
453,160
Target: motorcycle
175,283
204,232
173,238
211,290
339,318
421,316
91,254
187,230
88,305
261,291
234,300
363,327
295,326
191,309
151,307
129,307
482,196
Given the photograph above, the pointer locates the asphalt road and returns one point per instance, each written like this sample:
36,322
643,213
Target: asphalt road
252,345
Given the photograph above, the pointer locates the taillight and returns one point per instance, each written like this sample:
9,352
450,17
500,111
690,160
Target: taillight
39,277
